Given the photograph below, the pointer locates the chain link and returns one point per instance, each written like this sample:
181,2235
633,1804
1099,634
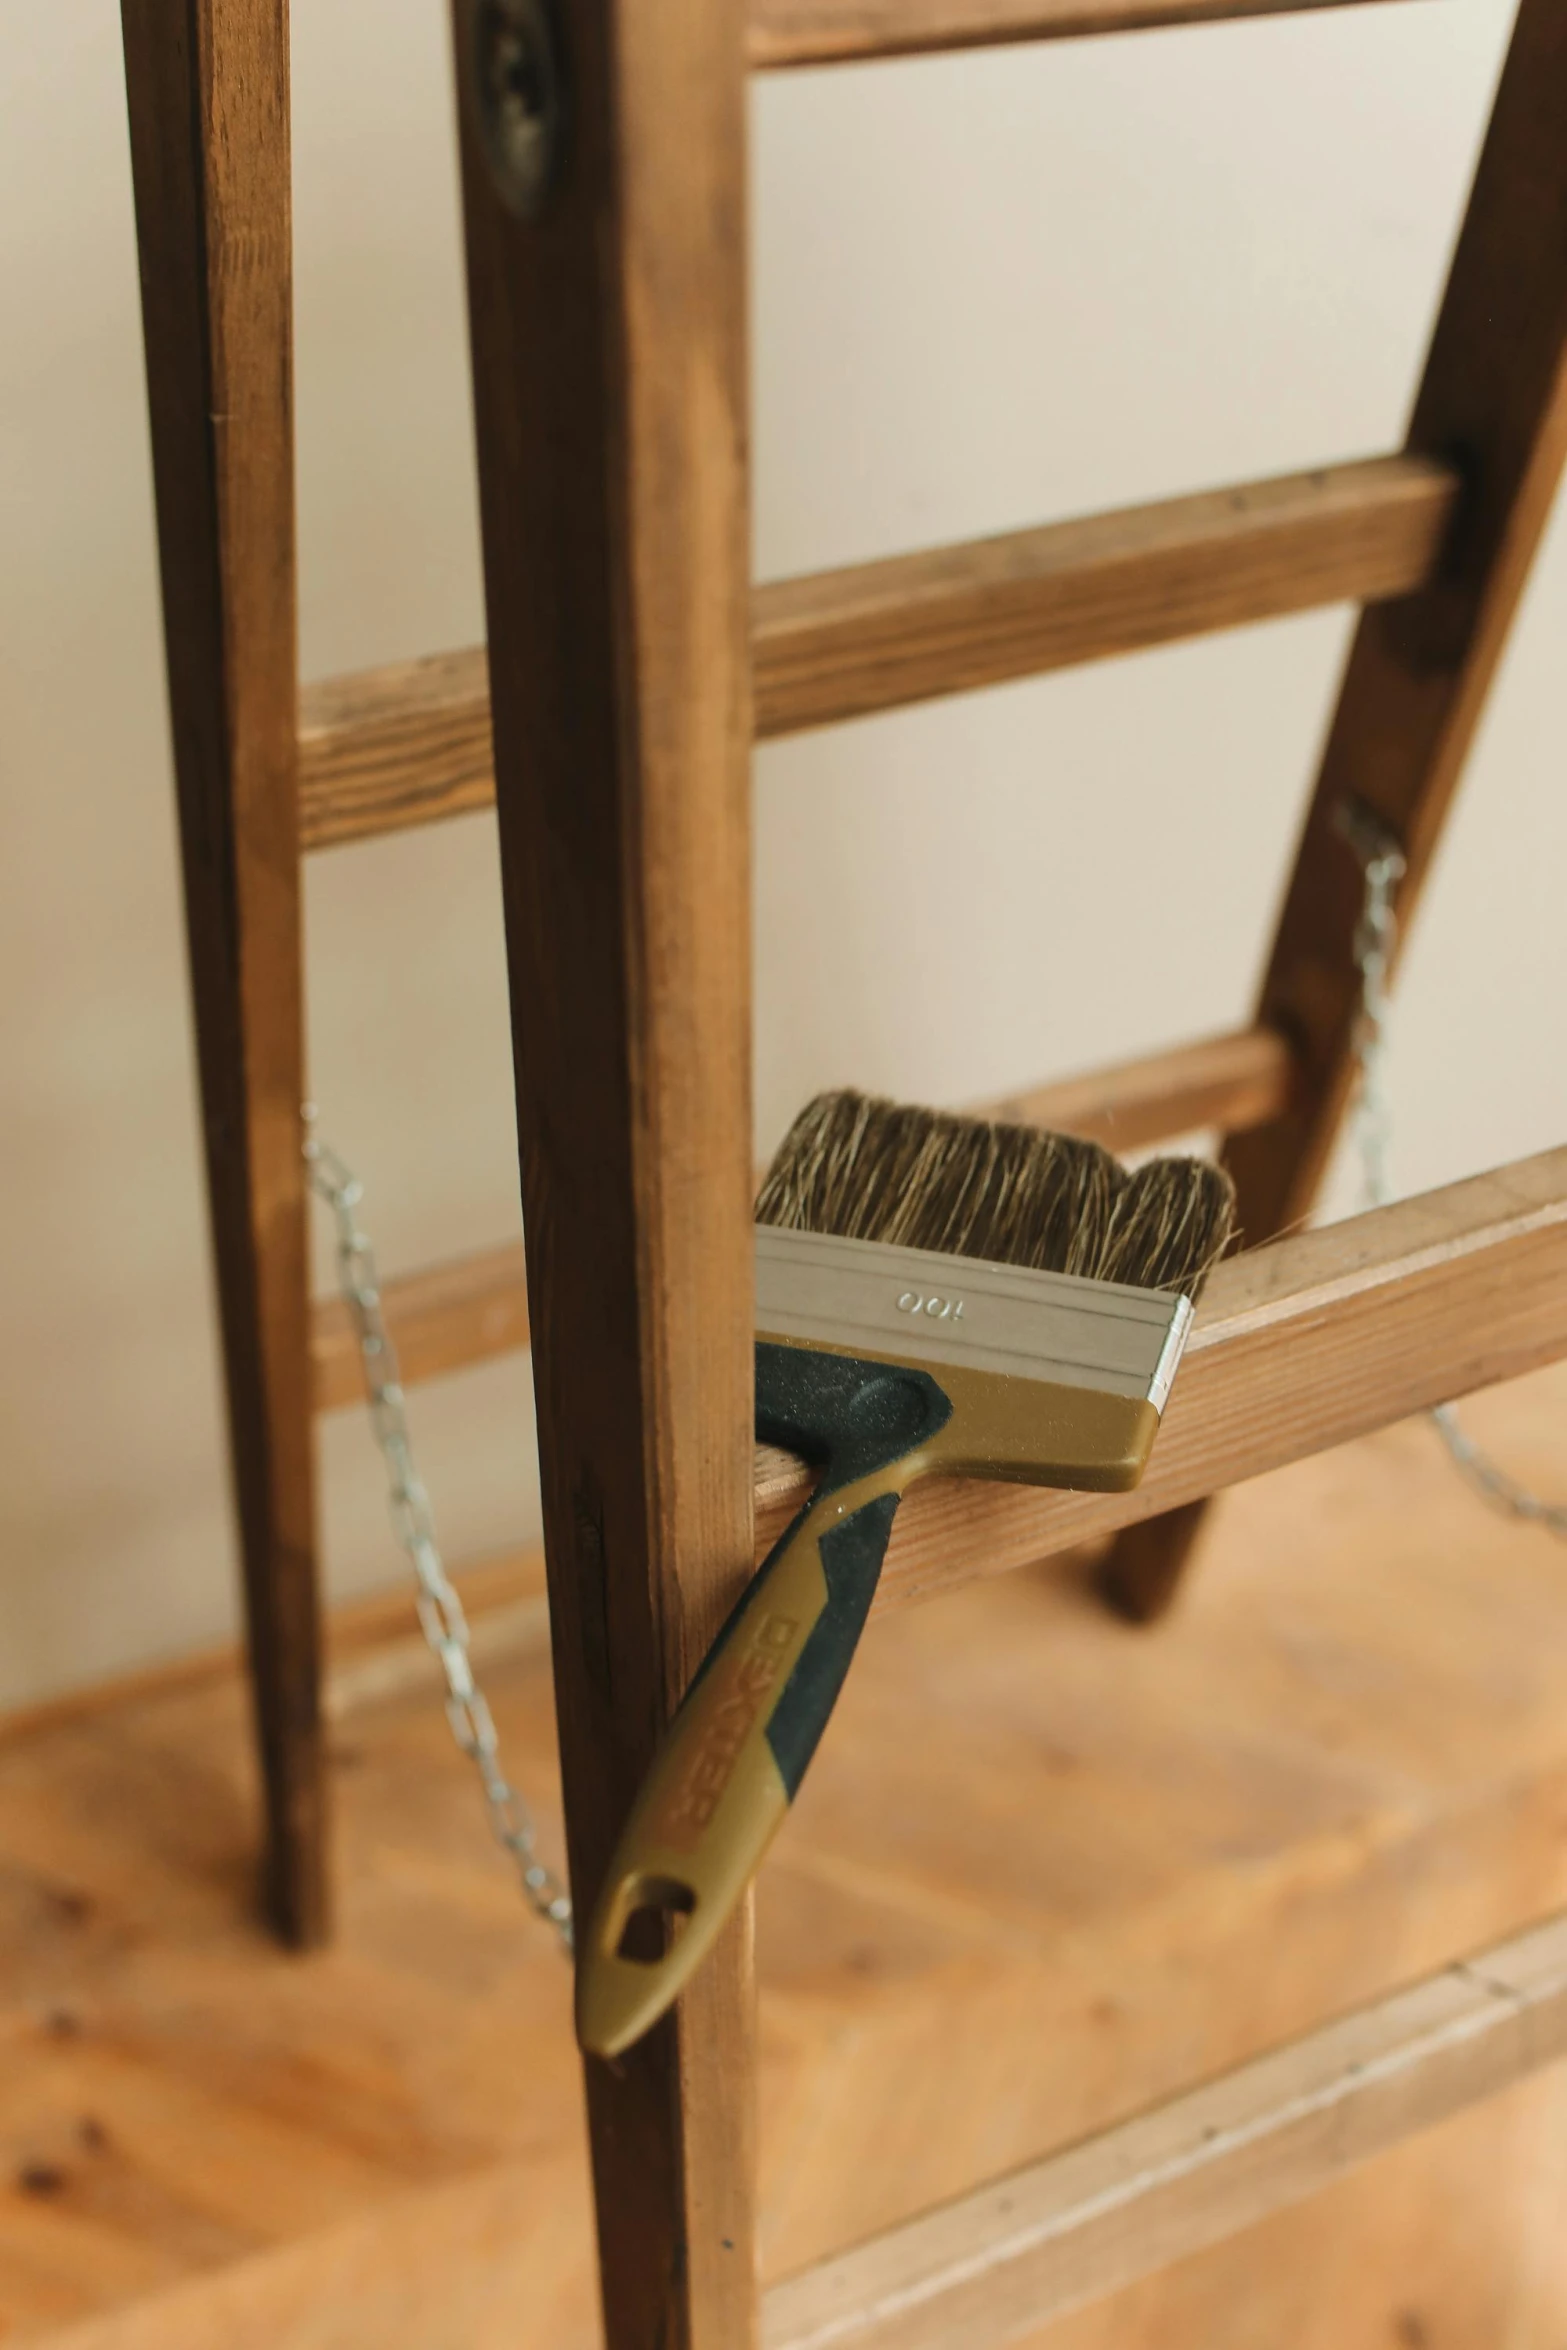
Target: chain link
1376,936
441,1617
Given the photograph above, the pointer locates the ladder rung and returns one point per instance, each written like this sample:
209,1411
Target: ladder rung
476,1307
404,745
384,748
1305,1344
846,32
844,643
992,2266
466,1311
1299,1346
1232,1082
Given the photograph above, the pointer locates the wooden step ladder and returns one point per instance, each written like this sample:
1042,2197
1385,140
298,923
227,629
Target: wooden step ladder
632,666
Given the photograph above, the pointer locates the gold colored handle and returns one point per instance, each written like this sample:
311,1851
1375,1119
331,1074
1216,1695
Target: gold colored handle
737,1749
733,1757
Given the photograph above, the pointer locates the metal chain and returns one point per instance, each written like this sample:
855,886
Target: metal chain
1376,935
441,1616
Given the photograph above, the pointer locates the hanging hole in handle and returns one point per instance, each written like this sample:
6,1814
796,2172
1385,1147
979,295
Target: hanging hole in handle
650,1918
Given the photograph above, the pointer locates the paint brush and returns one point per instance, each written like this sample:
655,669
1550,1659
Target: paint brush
935,1295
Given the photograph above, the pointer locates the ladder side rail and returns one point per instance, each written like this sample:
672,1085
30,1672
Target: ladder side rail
989,2268
1493,402
207,83
609,371
1308,1343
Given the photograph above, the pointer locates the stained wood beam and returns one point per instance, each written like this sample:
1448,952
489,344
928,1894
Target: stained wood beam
1298,1346
381,749
614,503
1419,672
848,32
1229,1080
409,744
207,90
1494,395
442,1318
843,643
985,2270
476,1307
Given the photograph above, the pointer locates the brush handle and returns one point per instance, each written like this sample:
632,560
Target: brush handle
737,1749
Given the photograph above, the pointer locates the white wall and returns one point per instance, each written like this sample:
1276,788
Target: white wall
989,290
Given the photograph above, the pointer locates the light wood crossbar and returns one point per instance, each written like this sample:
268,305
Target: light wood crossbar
843,643
384,748
1418,672
476,1307
442,1318
1309,1342
208,101
845,32
1301,1345
981,2272
410,743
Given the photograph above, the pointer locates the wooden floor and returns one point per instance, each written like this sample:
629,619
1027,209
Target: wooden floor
1046,1870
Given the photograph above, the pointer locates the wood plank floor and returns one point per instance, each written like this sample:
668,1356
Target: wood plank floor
1046,1870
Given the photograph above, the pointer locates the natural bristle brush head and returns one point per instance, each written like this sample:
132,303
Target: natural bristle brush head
864,1169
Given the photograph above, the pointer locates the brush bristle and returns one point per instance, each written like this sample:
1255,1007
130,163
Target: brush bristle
1017,1195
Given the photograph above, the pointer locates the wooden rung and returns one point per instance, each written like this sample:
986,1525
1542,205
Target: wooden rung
989,2268
385,748
1305,1344
1235,1081
844,643
846,32
1299,1346
476,1307
408,744
466,1311
377,1649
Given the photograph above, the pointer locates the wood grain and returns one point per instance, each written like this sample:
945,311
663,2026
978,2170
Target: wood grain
1495,390
615,509
384,748
1229,1080
991,2268
476,1307
406,744
208,91
842,643
1493,399
842,32
1299,1346
441,1319
1346,1763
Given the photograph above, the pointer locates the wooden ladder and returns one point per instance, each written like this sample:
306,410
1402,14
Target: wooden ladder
633,666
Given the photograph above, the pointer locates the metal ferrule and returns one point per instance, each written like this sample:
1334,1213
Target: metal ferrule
862,1297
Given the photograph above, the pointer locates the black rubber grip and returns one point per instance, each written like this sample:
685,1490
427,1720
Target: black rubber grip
847,1416
852,1554
852,1418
